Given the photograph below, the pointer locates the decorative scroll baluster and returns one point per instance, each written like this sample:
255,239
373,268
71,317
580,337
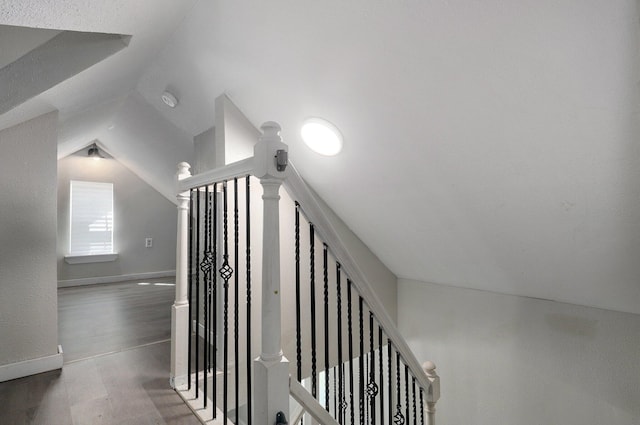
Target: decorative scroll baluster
421,407
342,403
211,272
413,393
197,262
214,297
236,295
225,273
406,393
381,383
190,296
372,388
325,267
398,419
390,381
361,361
350,330
312,271
248,265
205,301
298,299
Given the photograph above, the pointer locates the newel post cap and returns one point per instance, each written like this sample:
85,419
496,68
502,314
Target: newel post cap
182,173
183,170
433,392
265,152
429,368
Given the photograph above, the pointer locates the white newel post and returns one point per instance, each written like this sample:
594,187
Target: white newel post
433,392
271,369
180,308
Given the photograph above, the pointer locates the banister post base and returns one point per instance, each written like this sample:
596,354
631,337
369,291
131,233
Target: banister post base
272,389
179,345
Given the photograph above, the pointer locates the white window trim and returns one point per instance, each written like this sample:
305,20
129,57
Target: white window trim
86,259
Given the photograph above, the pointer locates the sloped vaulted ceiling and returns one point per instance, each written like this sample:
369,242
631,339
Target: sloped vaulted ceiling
488,144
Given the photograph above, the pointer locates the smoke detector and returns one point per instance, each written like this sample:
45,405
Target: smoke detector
169,99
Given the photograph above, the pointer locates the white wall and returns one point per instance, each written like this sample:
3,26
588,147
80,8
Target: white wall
383,281
28,297
506,359
139,212
148,144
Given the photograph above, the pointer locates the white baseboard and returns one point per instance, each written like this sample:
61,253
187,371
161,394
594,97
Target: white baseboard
31,367
113,279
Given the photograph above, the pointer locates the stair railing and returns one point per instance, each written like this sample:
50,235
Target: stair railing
374,361
360,367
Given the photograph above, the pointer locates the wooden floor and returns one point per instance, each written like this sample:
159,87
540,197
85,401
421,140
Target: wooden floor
116,368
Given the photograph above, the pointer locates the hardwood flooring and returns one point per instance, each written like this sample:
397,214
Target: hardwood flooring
102,319
116,363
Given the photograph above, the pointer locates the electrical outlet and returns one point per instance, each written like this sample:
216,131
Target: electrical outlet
148,242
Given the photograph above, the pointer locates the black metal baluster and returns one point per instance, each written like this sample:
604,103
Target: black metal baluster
236,304
350,330
421,407
190,289
325,270
398,419
211,272
365,377
225,273
372,389
197,289
406,393
312,267
298,300
205,275
390,367
335,389
214,298
361,361
413,393
248,259
381,384
342,403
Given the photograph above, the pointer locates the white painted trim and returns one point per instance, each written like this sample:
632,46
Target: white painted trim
31,367
87,259
235,169
112,279
310,404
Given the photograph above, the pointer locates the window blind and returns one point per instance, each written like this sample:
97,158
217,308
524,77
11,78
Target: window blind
91,218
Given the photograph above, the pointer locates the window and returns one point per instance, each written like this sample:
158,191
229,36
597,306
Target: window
91,219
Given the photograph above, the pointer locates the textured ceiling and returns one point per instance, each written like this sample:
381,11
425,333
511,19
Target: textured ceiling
489,145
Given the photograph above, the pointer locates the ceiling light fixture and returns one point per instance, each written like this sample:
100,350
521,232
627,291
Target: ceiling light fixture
321,136
94,152
169,99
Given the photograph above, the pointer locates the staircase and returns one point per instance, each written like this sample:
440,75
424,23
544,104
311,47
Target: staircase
272,311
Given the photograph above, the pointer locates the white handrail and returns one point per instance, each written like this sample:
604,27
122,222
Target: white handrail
301,192
235,169
310,404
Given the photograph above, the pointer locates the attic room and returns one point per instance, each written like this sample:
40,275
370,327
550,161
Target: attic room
488,175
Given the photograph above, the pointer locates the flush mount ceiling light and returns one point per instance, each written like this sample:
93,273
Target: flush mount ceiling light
94,152
169,99
321,136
